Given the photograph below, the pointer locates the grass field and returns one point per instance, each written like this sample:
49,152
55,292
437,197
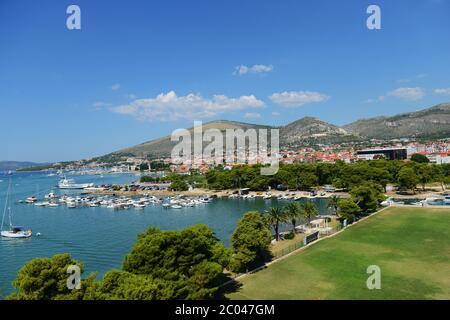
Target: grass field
410,245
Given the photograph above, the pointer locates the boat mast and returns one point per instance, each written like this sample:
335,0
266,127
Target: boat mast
6,206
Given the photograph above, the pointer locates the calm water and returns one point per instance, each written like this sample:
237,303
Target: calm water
100,237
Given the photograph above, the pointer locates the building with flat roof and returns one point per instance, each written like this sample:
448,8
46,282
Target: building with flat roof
387,153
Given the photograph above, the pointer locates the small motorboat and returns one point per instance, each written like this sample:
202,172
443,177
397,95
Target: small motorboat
71,205
51,195
41,204
176,206
31,199
53,205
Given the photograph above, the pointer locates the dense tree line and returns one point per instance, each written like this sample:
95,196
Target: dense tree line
404,174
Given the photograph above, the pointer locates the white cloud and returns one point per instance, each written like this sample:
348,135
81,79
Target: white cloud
100,105
131,96
416,77
115,87
409,94
170,107
297,98
257,68
275,114
442,91
252,115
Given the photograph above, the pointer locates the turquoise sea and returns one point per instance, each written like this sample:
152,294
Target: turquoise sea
101,237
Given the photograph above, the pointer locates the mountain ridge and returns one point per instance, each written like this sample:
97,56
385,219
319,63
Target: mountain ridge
432,122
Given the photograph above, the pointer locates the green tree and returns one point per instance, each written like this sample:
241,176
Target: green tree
276,216
293,212
424,174
368,196
121,285
419,158
309,210
407,179
178,184
333,203
348,209
46,279
438,173
191,261
250,241
306,180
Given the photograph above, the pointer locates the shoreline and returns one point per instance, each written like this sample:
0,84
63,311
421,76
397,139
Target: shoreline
201,192
214,193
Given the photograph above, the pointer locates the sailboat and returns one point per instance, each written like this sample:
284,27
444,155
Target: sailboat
14,231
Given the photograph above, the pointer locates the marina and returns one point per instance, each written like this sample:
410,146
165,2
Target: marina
101,236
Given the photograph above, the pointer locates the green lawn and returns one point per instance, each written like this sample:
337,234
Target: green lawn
410,245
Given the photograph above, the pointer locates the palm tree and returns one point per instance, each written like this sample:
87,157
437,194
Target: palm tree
309,210
292,212
333,203
275,216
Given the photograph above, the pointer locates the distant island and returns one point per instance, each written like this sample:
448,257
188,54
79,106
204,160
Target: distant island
21,165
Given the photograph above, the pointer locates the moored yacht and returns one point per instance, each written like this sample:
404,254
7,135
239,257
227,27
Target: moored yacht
14,231
70,184
17,232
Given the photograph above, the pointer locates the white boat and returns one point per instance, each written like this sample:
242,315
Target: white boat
31,200
51,195
71,204
41,204
14,232
70,184
17,232
53,205
176,206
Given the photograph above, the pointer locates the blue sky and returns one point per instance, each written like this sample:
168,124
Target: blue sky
139,69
